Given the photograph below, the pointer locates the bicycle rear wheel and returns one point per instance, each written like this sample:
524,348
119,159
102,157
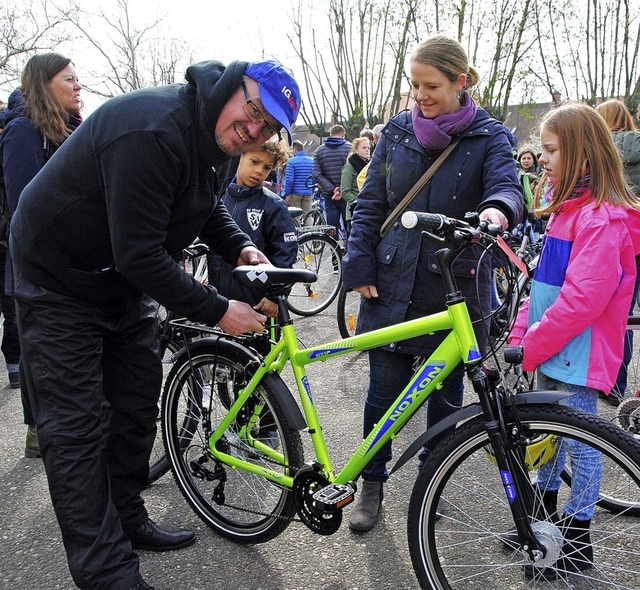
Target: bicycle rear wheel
633,368
200,390
171,341
316,216
463,549
348,307
322,255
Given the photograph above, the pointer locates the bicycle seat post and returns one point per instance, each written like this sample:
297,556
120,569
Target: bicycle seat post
445,258
284,317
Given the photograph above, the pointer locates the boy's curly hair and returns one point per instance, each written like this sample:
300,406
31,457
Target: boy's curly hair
279,150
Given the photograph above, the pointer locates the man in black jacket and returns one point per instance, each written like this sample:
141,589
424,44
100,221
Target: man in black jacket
94,240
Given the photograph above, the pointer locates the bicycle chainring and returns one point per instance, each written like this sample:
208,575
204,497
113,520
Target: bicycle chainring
306,483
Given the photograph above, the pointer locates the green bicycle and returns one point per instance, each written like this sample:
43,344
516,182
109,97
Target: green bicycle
232,433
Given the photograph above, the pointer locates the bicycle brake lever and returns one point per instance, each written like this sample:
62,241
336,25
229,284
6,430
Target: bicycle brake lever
433,238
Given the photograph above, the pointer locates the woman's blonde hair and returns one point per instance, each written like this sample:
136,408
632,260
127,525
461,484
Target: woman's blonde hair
448,56
356,143
46,113
586,147
616,115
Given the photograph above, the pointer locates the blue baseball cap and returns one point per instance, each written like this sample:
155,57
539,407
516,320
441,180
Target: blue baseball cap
279,93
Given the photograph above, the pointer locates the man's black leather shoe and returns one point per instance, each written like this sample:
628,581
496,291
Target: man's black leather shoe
142,585
152,537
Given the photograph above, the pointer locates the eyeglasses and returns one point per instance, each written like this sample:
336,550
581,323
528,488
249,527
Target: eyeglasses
255,114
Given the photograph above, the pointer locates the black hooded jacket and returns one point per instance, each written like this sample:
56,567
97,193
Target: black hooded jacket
132,187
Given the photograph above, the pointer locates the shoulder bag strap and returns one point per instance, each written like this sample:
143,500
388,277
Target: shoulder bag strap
417,187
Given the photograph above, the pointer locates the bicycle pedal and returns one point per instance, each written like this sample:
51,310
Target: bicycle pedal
334,497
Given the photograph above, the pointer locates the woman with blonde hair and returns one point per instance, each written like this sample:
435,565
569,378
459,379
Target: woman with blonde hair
394,273
356,161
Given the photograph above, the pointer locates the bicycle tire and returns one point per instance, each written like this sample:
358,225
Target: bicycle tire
170,343
317,216
199,391
348,307
633,368
320,254
607,500
463,550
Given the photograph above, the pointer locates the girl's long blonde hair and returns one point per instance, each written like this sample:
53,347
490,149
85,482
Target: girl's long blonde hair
586,147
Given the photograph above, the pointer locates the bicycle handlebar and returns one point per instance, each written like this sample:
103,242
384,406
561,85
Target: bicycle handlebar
441,224
432,222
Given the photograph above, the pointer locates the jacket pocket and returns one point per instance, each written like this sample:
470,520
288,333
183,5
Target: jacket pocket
385,253
464,268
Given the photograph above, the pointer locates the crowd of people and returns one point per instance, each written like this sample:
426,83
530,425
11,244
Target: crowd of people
101,211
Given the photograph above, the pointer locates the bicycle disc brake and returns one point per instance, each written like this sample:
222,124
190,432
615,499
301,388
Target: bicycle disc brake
306,483
628,415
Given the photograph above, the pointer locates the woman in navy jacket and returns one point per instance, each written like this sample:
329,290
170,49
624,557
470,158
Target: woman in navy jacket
396,274
42,114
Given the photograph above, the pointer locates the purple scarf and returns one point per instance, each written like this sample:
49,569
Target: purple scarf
435,134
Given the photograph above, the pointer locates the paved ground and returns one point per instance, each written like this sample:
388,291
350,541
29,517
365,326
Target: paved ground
32,556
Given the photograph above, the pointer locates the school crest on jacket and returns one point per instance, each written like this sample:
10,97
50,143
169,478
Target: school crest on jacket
254,217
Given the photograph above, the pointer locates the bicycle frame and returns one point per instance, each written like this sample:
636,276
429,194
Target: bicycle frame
459,345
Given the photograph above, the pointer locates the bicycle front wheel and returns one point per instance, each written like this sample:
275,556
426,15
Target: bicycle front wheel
320,254
458,543
199,392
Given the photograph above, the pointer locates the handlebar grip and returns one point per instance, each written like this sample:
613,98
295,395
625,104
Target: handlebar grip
513,355
424,221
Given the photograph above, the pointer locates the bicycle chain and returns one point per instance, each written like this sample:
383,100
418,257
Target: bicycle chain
256,512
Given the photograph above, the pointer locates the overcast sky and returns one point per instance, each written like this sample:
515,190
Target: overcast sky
230,29
226,30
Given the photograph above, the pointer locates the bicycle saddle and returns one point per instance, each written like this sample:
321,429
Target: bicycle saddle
295,212
265,275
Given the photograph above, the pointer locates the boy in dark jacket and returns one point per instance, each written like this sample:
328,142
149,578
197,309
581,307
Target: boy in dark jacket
264,217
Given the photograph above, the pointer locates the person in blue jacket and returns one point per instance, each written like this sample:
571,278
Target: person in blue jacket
298,180
264,217
396,274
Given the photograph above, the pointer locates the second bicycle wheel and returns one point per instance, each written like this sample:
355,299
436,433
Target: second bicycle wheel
348,307
321,254
459,511
199,391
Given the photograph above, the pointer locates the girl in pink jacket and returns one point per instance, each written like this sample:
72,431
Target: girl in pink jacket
572,327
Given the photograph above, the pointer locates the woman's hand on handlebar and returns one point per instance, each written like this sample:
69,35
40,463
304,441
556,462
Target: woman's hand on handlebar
367,291
494,216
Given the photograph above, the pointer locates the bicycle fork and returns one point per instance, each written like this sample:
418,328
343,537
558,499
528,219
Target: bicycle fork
512,473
